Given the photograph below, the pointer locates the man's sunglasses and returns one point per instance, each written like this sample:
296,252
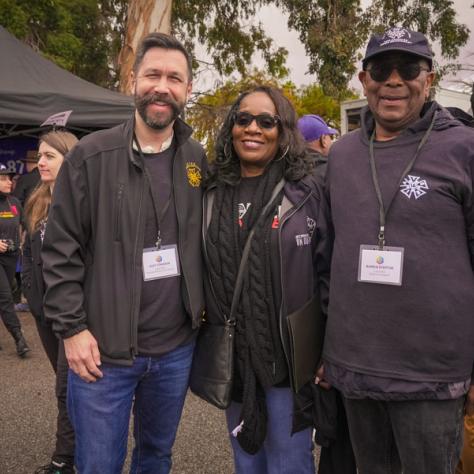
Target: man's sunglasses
265,121
408,71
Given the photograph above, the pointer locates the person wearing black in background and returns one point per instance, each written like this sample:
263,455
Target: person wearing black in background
27,182
10,220
53,146
24,186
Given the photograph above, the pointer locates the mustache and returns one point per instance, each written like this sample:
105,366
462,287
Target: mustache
154,97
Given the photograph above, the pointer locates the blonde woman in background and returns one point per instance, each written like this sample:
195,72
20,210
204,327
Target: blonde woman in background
53,146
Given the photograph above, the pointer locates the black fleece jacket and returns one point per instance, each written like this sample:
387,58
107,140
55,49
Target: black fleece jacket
92,250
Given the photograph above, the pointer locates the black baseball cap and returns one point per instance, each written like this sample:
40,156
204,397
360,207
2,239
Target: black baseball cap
5,170
399,39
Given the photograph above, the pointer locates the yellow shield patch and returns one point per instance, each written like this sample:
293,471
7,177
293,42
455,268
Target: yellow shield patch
194,174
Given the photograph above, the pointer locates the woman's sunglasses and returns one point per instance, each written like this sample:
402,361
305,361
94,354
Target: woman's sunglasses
381,71
265,121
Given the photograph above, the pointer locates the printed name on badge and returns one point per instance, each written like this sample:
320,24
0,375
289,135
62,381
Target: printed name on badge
381,266
162,263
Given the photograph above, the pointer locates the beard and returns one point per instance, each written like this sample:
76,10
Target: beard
158,120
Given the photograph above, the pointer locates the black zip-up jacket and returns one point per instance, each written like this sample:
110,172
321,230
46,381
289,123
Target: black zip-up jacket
92,250
25,185
32,274
304,268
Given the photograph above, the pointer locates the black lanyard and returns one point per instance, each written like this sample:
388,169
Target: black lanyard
382,212
154,199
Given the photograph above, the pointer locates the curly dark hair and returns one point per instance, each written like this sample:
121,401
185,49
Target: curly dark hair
291,146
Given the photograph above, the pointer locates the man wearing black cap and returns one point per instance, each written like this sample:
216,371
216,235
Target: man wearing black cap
28,181
400,331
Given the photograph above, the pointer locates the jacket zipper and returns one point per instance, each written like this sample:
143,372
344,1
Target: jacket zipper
119,211
133,322
180,237
284,219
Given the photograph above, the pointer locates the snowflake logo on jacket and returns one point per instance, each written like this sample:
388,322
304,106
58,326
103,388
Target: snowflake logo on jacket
414,186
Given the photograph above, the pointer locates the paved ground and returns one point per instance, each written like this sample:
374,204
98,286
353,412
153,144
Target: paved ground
27,417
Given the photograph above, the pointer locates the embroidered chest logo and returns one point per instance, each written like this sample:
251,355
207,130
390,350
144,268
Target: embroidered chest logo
194,174
243,208
305,239
311,223
414,186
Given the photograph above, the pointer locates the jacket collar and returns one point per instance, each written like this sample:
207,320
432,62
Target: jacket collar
182,132
293,193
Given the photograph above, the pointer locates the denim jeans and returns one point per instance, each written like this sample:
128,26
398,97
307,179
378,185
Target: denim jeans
416,437
281,453
100,413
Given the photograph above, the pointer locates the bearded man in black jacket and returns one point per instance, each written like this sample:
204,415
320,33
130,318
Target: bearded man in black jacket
122,266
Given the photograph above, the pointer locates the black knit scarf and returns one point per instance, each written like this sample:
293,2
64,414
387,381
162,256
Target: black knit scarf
259,358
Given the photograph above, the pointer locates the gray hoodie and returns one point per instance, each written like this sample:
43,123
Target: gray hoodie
422,330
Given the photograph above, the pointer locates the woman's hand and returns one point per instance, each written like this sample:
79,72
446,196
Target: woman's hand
319,380
3,246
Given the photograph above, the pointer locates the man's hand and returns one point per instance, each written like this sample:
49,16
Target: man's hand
470,401
320,378
3,246
82,354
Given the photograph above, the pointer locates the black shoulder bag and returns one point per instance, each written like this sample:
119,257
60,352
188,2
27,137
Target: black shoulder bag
212,370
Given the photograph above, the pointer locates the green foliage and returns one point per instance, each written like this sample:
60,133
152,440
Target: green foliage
226,30
209,110
334,31
85,36
80,35
313,100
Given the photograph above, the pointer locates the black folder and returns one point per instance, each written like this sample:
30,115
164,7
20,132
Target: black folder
306,336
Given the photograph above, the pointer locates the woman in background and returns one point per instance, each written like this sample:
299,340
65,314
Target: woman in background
10,220
53,146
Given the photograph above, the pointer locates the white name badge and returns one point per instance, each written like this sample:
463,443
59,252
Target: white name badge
162,263
381,266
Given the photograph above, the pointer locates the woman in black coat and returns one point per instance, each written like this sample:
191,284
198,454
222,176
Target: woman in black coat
53,146
10,220
261,185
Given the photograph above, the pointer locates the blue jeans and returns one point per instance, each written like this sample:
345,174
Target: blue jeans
413,437
100,413
281,453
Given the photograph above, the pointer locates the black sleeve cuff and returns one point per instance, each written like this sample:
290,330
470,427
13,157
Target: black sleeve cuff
72,332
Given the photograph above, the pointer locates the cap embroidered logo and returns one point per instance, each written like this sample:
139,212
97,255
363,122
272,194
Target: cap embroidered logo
396,34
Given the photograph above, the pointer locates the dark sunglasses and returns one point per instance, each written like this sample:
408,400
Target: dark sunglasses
408,71
265,121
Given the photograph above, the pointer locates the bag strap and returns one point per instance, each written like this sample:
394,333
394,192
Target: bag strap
246,251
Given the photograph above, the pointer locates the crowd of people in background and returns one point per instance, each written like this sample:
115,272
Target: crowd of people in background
130,244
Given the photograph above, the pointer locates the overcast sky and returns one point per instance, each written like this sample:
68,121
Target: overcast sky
275,23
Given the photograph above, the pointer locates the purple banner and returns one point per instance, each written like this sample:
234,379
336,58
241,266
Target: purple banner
13,150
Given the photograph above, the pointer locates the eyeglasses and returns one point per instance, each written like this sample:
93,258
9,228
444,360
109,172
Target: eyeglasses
265,121
408,71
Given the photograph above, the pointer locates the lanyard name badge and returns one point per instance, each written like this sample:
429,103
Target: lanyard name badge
380,263
160,261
